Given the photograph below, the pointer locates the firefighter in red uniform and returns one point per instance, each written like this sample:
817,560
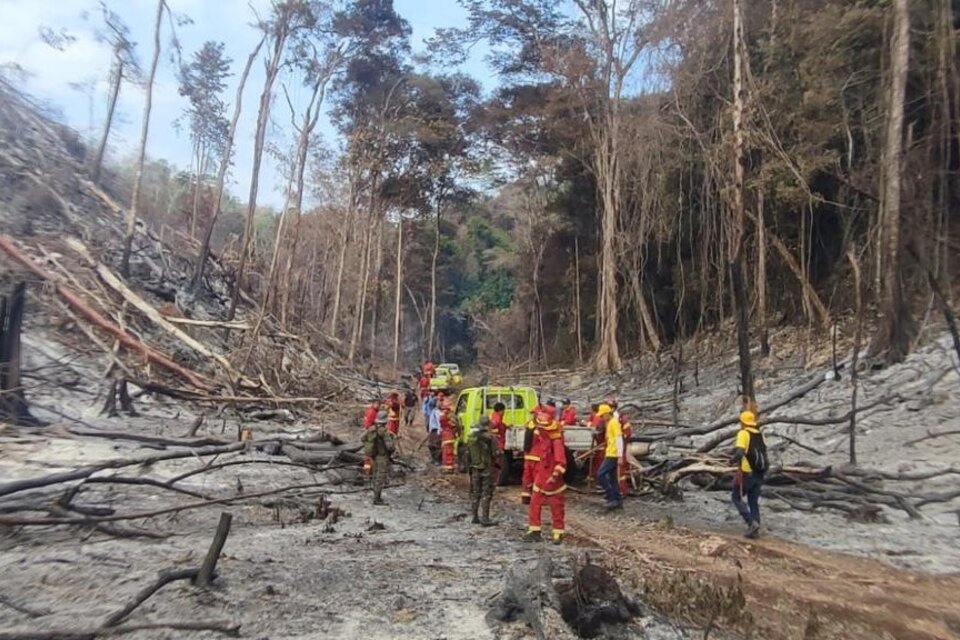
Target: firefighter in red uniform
448,438
394,410
429,369
423,387
569,416
499,430
549,486
623,469
369,419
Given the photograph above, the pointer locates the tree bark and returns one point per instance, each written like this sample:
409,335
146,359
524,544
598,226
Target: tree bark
893,335
739,170
224,166
576,297
138,179
433,283
857,337
762,278
108,122
398,297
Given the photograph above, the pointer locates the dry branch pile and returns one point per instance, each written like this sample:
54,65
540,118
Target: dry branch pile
62,233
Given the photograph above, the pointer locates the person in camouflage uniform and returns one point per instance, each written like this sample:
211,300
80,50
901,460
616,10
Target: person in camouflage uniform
378,444
484,452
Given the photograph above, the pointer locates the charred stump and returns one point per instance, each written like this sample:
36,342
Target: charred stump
13,403
593,600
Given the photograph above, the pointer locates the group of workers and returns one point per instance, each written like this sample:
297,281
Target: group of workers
544,454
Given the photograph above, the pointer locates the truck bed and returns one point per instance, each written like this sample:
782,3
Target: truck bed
575,438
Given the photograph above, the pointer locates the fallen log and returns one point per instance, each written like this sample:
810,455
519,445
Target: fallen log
81,307
115,283
85,472
155,440
13,521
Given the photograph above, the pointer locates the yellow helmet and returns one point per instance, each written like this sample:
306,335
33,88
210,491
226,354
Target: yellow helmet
603,410
748,418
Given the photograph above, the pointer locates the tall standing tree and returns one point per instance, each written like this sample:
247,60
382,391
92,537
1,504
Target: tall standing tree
202,81
286,19
142,151
894,333
225,162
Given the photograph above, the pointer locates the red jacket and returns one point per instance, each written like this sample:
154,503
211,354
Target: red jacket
569,417
552,464
499,428
424,386
370,415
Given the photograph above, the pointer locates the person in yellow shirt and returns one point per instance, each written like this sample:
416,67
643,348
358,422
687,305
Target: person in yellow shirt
607,474
750,457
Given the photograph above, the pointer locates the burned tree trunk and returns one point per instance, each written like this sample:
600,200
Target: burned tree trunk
13,404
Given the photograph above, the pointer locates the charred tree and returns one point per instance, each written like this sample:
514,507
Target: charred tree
13,403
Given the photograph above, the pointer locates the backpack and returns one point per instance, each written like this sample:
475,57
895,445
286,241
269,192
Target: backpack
757,454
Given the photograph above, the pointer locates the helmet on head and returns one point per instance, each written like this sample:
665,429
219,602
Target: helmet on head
566,402
748,418
604,409
543,418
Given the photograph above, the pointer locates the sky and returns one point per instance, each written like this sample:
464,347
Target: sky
53,75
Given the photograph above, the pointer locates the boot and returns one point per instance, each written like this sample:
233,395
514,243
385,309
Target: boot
475,510
556,537
485,513
531,536
753,530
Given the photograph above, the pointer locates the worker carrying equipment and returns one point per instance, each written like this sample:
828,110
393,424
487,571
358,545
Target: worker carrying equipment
750,456
549,487
378,445
483,452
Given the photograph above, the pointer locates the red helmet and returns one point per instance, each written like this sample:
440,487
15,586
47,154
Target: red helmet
543,417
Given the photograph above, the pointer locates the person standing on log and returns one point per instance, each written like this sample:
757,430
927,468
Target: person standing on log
378,445
484,454
750,456
549,487
607,474
448,438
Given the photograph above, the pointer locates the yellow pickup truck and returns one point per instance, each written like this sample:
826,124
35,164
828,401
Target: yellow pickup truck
475,402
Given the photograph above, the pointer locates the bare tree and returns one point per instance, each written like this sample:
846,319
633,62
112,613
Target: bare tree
739,207
287,18
224,167
144,131
893,334
117,35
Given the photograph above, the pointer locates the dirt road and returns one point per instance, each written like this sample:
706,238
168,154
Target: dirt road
789,590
